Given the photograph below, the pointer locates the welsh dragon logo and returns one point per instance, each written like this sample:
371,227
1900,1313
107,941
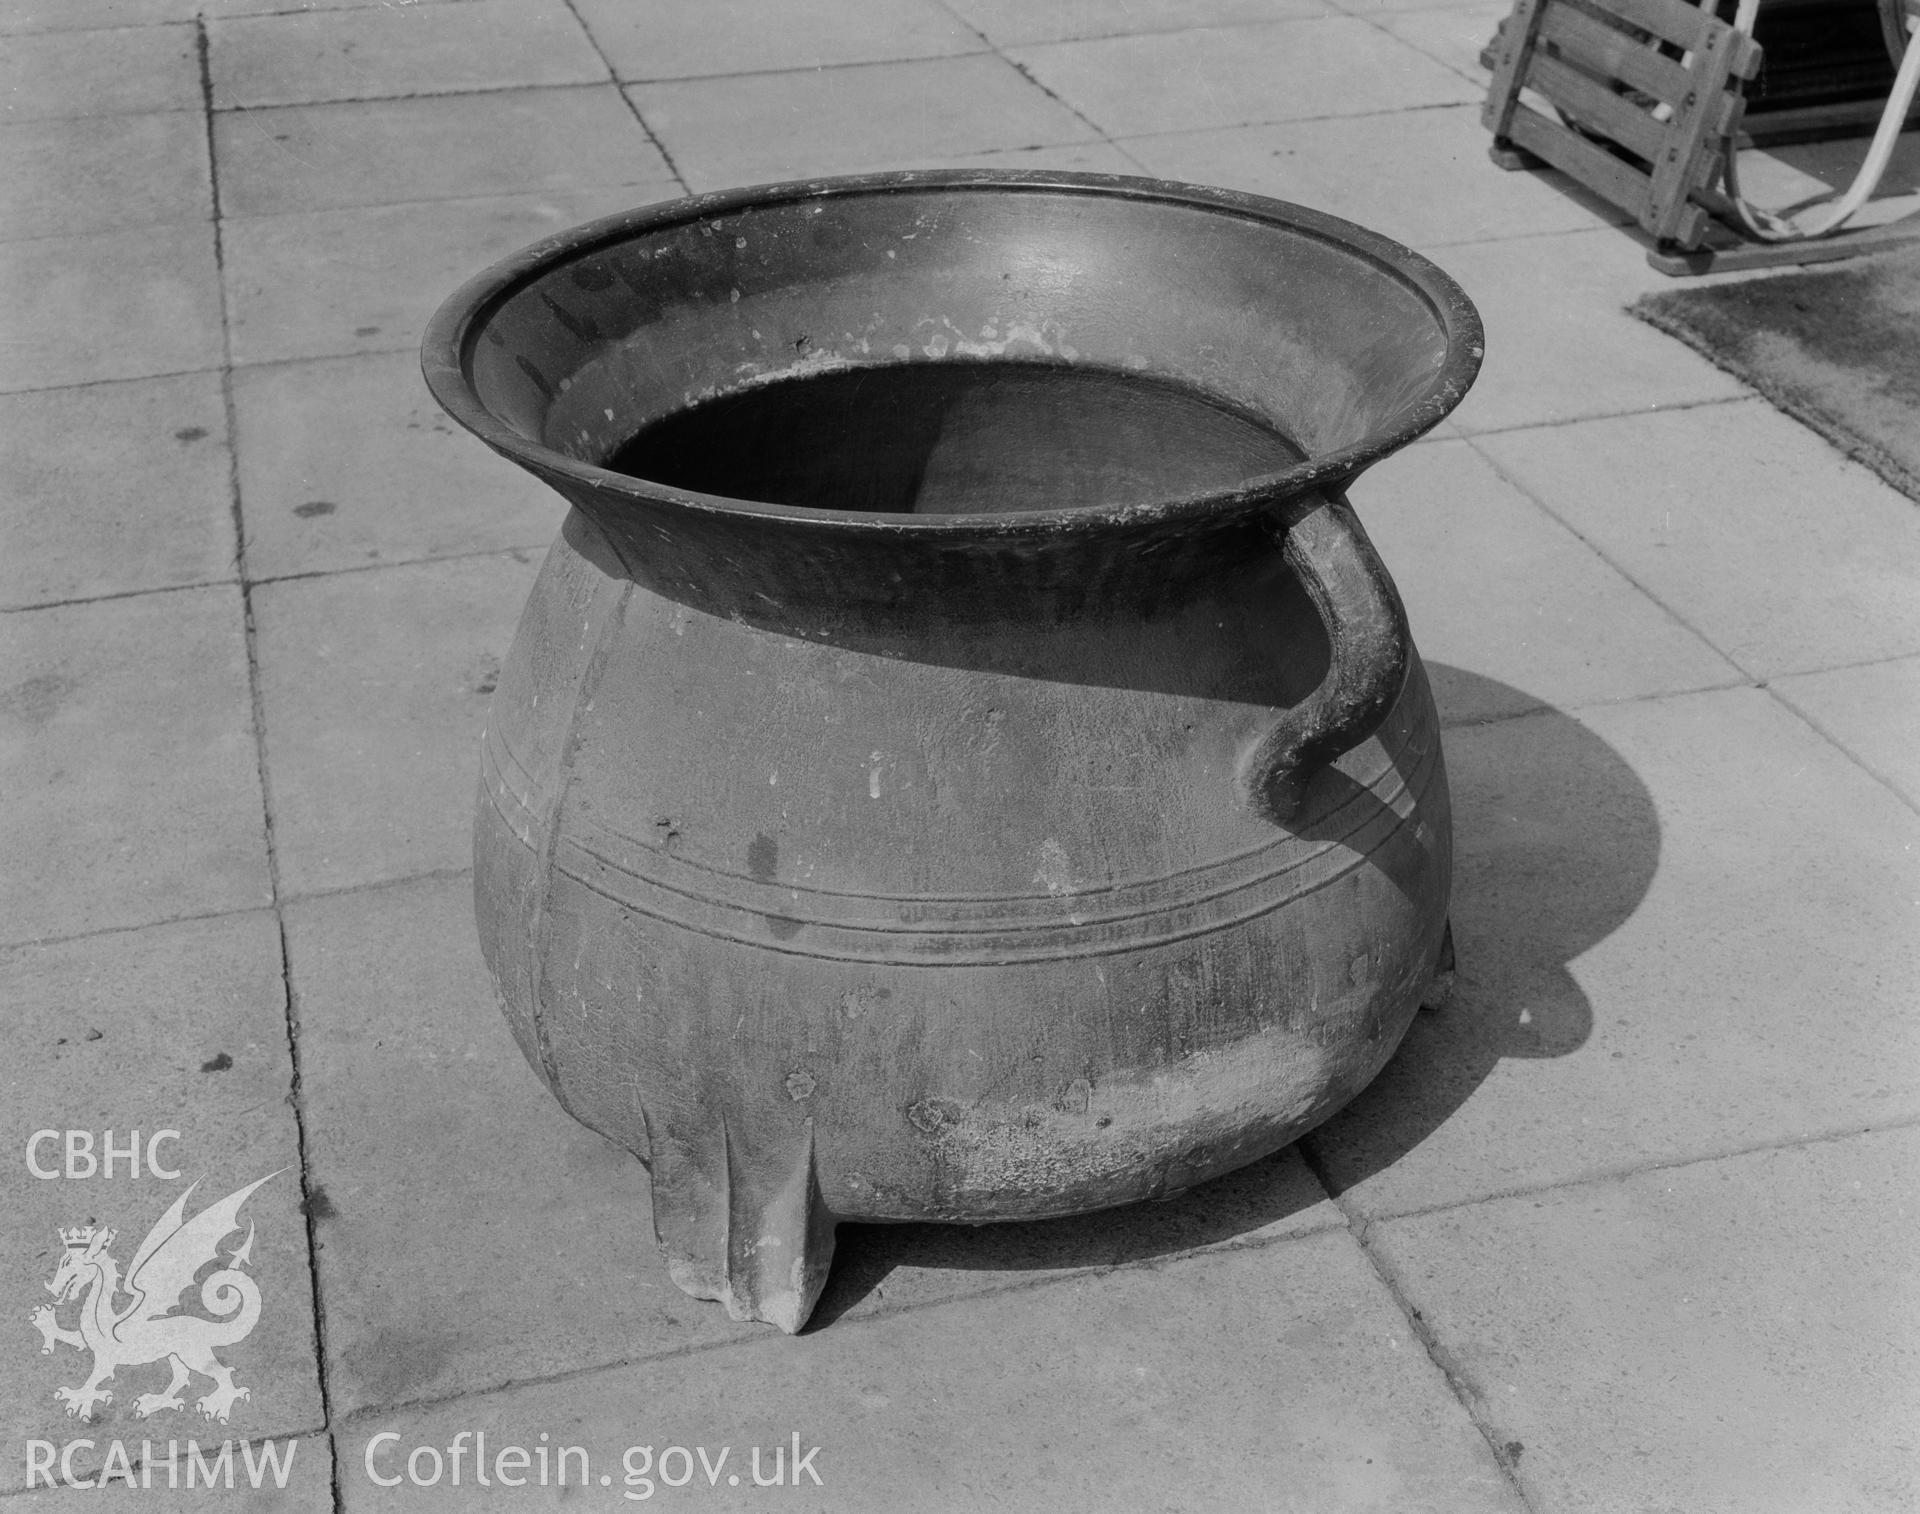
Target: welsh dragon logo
146,1329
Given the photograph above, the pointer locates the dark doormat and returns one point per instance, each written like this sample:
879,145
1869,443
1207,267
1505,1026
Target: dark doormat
1838,348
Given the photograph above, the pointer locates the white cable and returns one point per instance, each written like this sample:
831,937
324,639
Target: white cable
1767,226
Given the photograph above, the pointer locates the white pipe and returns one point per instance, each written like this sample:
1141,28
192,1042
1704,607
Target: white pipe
1767,226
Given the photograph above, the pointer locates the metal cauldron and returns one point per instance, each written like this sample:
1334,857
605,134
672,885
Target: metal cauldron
962,759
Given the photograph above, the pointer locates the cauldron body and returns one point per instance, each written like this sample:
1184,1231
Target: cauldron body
1060,821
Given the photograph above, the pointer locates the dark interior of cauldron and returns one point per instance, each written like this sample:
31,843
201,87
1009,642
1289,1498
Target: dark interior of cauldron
959,351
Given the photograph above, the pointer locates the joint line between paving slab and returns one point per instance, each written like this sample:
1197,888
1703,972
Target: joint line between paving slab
530,192
455,92
369,1412
1355,1223
1026,73
101,383
307,1207
633,107
1153,31
1594,547
1325,115
306,9
1847,1132
1557,422
1371,19
1834,741
31,943
1844,667
524,552
1581,706
443,874
1079,115
112,594
258,708
1753,679
195,18
1455,1374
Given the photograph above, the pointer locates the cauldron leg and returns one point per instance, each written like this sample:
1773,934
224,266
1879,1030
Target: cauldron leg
741,1223
1440,986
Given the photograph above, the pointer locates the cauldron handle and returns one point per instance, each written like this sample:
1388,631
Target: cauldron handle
1329,552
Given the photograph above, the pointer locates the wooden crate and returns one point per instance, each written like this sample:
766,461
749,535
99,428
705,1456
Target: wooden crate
1647,98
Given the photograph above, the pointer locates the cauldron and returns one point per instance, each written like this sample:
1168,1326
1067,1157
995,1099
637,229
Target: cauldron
962,759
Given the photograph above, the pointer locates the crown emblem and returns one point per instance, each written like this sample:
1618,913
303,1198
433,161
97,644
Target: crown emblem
77,1239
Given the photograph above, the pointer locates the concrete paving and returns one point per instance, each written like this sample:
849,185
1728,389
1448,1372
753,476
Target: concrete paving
1626,1226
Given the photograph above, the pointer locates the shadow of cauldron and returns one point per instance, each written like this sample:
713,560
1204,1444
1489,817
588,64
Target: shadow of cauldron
1553,853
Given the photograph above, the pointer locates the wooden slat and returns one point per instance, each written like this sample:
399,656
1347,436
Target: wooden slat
1689,130
1740,256
1727,115
1706,174
1672,21
1602,50
1597,107
1511,48
1685,26
1603,173
1574,155
1726,108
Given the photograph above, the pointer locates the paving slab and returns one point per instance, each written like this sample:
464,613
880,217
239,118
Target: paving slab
762,127
1279,1378
115,488
1418,187
1497,588
118,1037
1076,157
453,1181
1008,23
214,8
94,15
734,37
1382,9
1756,532
300,1481
413,485
381,50
1734,1337
1454,35
1680,932
1560,345
118,71
365,279
1240,75
1684,928
1871,711
436,147
374,690
100,173
109,305
126,739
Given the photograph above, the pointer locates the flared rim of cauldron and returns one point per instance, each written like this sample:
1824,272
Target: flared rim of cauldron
458,325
